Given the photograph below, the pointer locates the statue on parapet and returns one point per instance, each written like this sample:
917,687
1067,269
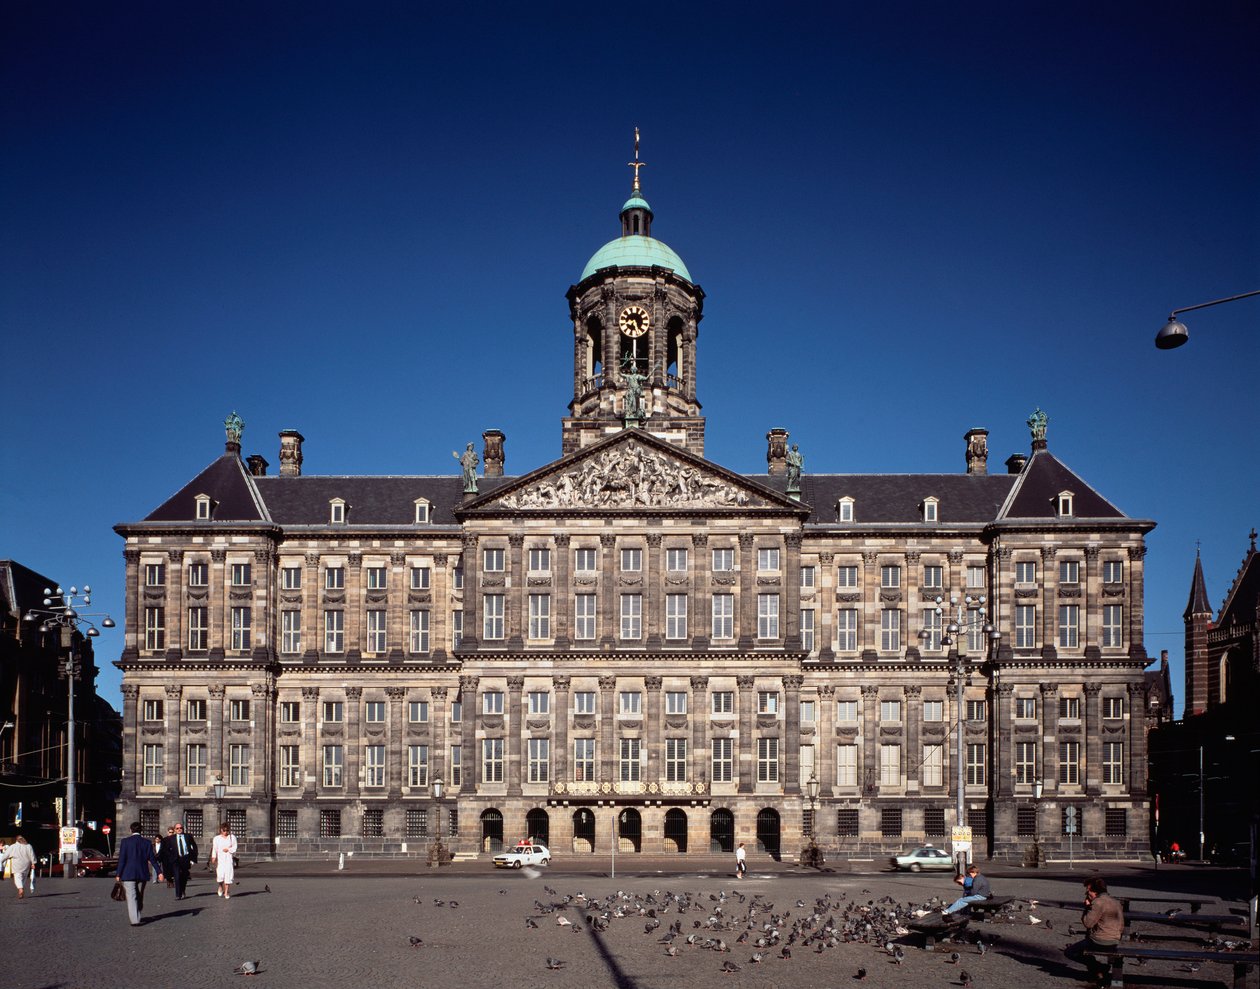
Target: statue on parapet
469,462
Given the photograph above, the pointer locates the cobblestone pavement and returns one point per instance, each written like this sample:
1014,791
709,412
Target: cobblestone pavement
353,930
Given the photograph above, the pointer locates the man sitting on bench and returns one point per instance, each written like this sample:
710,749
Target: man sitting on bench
975,888
1104,927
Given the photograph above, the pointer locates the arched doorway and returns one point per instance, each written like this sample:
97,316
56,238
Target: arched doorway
583,832
675,830
491,831
768,832
722,831
629,831
538,824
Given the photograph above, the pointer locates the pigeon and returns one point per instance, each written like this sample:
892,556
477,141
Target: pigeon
953,957
503,892
563,921
266,888
415,941
1033,920
898,955
531,923
786,953
454,904
671,951
756,958
246,968
861,974
965,977
729,966
982,946
554,964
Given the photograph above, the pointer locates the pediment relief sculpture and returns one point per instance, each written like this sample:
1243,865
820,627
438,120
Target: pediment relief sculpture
631,476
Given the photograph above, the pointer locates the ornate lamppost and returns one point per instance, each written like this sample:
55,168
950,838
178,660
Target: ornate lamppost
60,613
219,789
813,854
438,854
1038,789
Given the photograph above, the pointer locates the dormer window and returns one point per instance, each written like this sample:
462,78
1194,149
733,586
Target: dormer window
931,509
1063,504
337,511
422,511
844,510
204,507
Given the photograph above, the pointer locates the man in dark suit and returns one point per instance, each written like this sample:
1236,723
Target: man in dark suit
178,853
135,856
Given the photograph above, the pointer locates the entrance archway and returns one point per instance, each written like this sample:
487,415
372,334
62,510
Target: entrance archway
675,830
722,831
491,831
538,825
629,831
583,832
768,832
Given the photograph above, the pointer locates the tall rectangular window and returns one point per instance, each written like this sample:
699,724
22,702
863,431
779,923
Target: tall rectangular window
767,760
457,766
676,702
1025,626
932,772
155,575
374,765
846,765
675,616
290,765
492,616
291,578
676,760
631,702
377,578
723,616
238,765
1025,708
330,818
583,702
373,822
195,709
198,629
195,764
290,631
768,559
418,634
584,759
332,765
457,628
418,712
539,760
846,712
154,628
1026,572
1113,762
154,709
540,616
723,701
492,760
539,703
421,578
290,712
847,578
889,765
847,630
1025,762
890,711
492,561
333,712
931,634
1069,626
975,763
890,630
631,616
933,710
584,617
631,560
238,710
629,766
809,714
723,760
1113,625
767,616
975,578
767,702
376,631
457,575
154,765
241,575
676,560
585,560
976,711
975,631
540,560
374,712
1113,571
890,576
492,702
1070,763
240,628
1113,707
723,560
334,631
335,579
198,574
807,629
1069,572
933,578
809,576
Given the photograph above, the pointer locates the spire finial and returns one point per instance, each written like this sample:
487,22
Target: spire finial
636,164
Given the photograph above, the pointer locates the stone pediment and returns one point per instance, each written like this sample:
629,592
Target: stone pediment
633,471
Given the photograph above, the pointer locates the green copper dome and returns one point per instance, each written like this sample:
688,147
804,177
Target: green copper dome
635,250
636,202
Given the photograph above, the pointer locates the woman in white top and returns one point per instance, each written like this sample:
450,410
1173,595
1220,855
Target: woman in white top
223,855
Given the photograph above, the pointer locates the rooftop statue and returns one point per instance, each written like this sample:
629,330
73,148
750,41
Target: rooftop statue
469,462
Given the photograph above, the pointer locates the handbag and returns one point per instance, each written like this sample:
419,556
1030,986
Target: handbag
118,893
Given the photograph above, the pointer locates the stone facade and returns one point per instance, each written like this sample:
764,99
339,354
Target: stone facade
633,640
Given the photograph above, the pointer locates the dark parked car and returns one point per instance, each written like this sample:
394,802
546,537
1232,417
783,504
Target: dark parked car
92,862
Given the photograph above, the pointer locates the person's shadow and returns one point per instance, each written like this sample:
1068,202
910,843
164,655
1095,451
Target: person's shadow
173,914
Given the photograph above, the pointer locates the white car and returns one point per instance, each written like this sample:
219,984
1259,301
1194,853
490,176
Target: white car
534,854
926,857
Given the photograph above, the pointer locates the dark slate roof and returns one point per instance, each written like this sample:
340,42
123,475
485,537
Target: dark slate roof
896,498
371,500
227,482
1241,601
1198,603
1040,483
21,588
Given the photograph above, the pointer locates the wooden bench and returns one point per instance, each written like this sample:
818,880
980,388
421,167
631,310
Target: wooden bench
990,906
934,927
1212,923
1193,902
1242,961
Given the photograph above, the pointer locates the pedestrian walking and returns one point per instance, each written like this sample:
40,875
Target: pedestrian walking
178,853
223,856
1103,921
741,861
21,858
135,859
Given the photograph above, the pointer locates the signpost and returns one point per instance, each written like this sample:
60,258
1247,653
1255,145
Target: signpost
109,847
1069,825
69,850
960,846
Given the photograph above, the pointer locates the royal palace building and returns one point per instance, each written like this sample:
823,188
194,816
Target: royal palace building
633,640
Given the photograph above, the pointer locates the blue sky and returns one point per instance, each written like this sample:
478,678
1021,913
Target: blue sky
359,220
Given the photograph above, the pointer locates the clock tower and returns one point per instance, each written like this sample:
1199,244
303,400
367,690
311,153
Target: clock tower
636,316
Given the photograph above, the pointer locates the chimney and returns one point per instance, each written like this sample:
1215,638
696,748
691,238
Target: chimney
1015,463
291,453
257,465
492,453
977,451
776,452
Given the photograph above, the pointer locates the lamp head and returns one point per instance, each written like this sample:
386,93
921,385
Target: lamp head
1173,335
1038,788
108,622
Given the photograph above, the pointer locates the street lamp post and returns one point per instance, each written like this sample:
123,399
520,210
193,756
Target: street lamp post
1038,789
1174,332
219,789
437,852
60,613
813,854
961,624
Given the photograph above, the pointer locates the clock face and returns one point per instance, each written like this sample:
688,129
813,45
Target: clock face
634,321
